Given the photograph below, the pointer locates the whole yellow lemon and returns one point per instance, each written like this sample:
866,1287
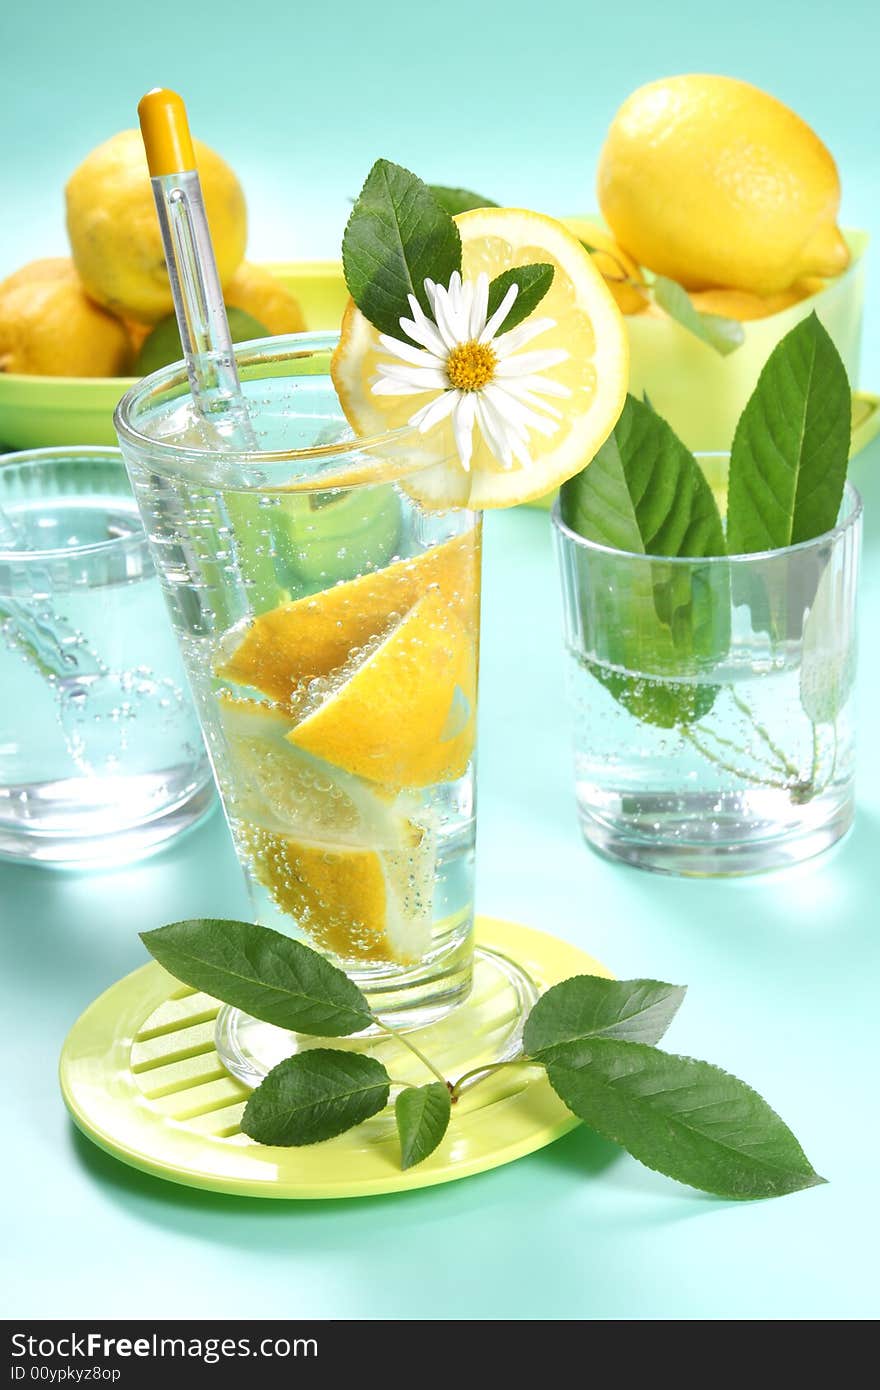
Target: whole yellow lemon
710,181
618,268
114,230
262,295
49,268
50,327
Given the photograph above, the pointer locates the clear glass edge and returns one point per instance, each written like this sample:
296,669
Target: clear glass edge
280,346
59,452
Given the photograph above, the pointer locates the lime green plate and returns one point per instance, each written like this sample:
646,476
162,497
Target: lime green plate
141,1077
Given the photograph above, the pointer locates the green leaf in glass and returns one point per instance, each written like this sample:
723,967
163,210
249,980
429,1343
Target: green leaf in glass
268,975
644,493
315,1095
397,237
685,1118
422,1115
587,1006
790,450
828,655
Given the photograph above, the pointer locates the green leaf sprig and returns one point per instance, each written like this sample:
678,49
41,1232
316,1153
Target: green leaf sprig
790,450
595,1038
402,232
645,492
456,200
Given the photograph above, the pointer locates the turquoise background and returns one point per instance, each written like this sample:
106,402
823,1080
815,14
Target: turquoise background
512,100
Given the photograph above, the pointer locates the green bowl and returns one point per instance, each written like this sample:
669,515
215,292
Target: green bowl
37,411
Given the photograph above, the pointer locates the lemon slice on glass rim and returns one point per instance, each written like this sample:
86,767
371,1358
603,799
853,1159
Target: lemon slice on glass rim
587,326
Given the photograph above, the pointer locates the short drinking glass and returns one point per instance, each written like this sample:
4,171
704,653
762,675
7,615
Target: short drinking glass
713,698
101,757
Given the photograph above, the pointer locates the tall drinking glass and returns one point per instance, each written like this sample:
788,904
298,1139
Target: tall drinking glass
329,625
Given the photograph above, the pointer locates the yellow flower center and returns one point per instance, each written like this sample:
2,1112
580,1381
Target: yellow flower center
471,366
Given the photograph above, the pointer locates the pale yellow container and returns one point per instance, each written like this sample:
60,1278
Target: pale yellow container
701,393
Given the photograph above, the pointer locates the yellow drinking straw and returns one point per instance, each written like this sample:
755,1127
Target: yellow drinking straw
165,131
192,270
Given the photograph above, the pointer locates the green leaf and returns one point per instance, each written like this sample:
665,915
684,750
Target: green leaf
422,1115
790,450
533,280
586,1006
655,699
456,200
645,493
397,237
315,1095
268,975
723,334
687,1119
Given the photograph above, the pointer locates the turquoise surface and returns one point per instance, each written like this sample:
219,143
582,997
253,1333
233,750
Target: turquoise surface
782,969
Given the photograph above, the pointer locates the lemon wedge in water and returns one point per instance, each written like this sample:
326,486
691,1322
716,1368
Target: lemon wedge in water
272,784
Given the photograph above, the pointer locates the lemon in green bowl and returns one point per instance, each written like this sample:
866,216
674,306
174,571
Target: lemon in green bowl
43,410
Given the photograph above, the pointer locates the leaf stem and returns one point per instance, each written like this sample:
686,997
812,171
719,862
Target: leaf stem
402,1038
784,762
814,764
489,1069
833,769
712,757
736,748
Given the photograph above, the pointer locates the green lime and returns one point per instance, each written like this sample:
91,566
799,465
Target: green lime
346,533
162,347
326,537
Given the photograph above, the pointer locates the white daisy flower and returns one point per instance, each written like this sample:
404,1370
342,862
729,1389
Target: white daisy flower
475,372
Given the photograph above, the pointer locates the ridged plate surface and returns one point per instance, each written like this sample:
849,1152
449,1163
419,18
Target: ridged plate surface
140,1076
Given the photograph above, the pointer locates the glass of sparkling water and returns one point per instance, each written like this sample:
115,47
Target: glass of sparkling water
329,622
101,758
714,728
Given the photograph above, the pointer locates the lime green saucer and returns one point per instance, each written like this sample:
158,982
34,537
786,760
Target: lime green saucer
141,1077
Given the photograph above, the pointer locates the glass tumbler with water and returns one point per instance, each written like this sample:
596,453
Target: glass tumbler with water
101,757
713,699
